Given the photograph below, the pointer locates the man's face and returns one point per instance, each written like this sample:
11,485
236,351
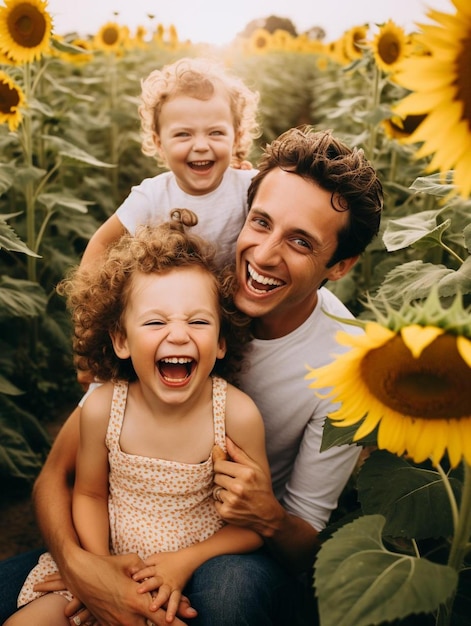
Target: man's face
288,238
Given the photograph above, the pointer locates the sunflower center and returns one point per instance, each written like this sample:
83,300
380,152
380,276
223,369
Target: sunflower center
434,386
389,49
260,43
463,82
27,25
9,98
110,36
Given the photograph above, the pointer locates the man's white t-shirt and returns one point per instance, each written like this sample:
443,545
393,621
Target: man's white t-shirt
221,213
306,481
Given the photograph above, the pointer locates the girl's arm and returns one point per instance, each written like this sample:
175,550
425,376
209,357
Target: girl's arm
90,495
169,572
109,231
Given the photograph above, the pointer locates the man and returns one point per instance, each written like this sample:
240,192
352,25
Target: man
314,206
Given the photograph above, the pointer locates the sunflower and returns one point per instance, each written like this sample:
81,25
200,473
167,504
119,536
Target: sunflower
282,40
110,37
389,46
401,129
25,29
260,41
79,58
441,86
354,39
12,99
409,376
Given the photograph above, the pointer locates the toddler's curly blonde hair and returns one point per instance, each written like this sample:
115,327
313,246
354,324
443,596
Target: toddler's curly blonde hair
198,78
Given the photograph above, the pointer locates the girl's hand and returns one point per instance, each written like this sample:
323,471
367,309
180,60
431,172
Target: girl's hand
165,576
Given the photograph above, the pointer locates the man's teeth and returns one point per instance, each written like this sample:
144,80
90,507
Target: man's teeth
263,280
175,360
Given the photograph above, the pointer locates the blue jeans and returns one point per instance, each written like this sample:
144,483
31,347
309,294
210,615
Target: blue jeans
249,590
13,573
231,590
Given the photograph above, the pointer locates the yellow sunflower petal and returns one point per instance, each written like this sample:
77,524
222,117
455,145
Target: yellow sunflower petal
455,452
418,337
438,434
464,348
418,103
463,7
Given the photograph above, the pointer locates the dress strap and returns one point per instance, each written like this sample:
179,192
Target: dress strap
118,405
219,411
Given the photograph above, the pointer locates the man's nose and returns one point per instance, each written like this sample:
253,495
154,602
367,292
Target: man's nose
268,251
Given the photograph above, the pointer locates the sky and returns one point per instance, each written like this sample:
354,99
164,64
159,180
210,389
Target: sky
219,21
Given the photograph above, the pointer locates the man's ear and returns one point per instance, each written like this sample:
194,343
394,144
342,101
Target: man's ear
120,345
341,268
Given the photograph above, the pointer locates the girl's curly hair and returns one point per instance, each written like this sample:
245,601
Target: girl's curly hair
97,296
198,78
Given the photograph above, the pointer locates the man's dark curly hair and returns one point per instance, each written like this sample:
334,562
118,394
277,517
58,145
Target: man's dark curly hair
319,157
97,296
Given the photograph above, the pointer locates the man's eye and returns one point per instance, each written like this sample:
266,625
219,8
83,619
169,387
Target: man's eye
258,221
302,243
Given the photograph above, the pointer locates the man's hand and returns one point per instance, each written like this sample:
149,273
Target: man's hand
247,497
108,591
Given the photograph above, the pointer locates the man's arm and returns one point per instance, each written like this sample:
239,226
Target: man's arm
104,584
249,501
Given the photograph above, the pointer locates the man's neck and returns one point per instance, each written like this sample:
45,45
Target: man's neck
276,325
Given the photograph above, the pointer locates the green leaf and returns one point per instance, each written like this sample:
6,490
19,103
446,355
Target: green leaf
23,443
435,185
414,280
25,175
64,200
340,435
7,175
68,48
9,240
21,298
412,499
418,228
9,388
467,237
67,149
358,581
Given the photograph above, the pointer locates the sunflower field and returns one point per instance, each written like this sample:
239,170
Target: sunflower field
70,152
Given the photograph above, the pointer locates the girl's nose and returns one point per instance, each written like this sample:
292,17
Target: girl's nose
178,332
200,143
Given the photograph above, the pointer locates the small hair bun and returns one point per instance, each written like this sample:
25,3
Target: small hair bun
185,217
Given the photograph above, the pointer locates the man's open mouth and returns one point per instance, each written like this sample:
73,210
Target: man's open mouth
259,283
176,369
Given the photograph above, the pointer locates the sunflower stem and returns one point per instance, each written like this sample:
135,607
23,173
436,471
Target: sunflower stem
459,544
452,253
29,192
374,106
463,531
451,496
